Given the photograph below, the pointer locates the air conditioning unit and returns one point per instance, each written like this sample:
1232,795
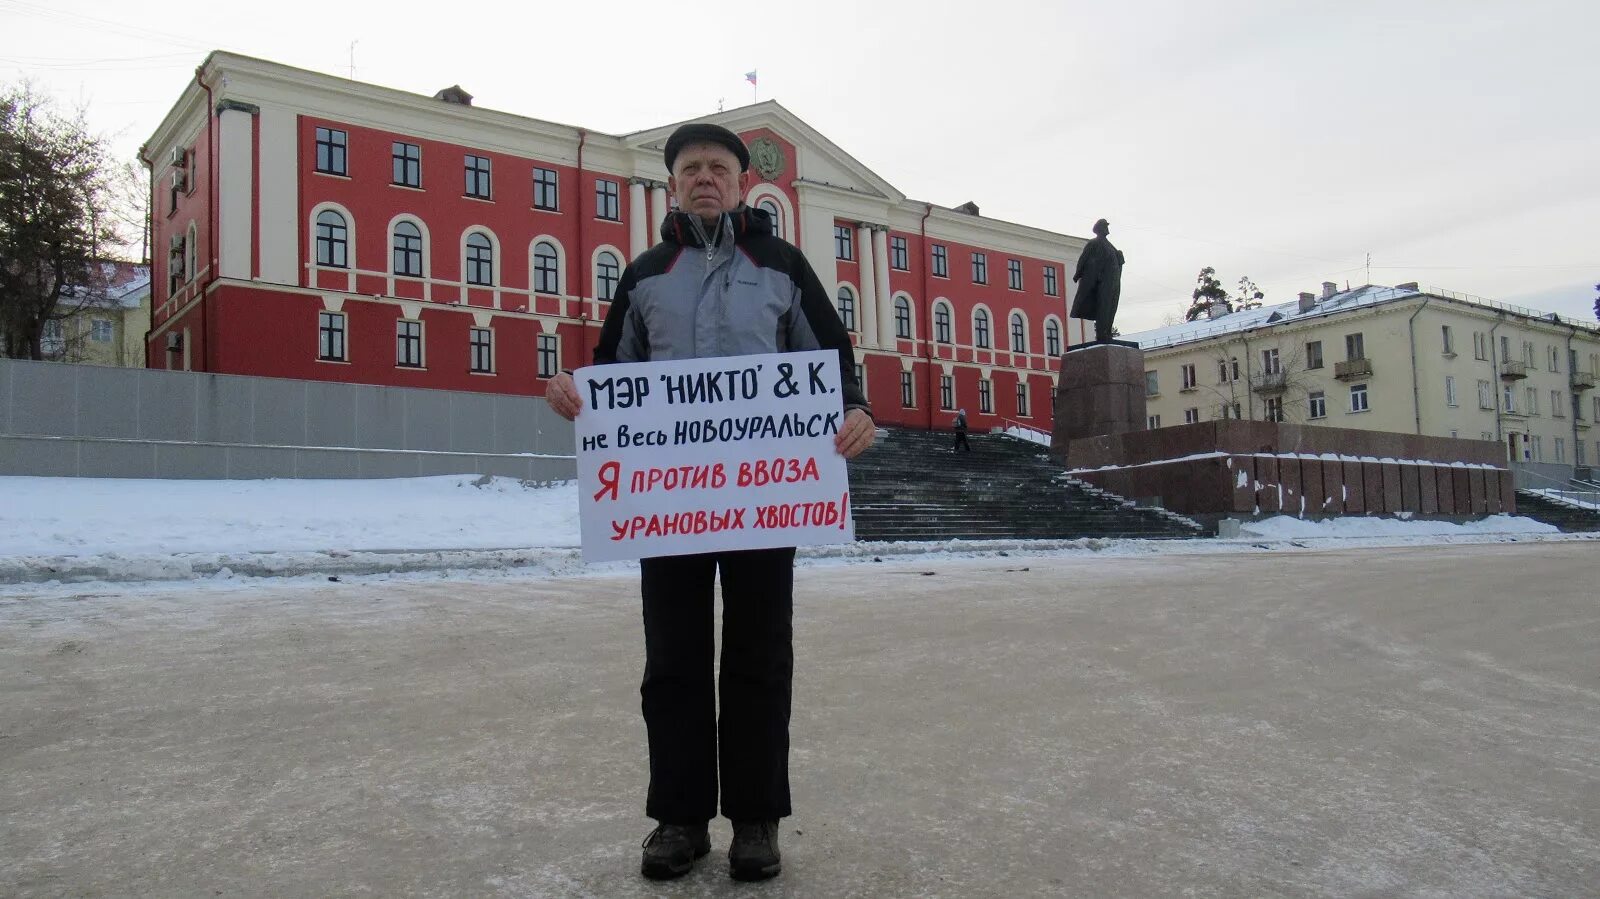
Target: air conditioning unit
180,179
179,157
174,342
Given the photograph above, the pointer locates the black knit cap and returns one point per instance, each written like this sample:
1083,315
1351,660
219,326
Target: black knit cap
701,132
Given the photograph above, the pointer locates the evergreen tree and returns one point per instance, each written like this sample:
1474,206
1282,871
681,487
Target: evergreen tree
1250,295
1208,295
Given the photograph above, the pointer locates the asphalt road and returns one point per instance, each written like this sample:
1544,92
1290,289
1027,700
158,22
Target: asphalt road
1378,722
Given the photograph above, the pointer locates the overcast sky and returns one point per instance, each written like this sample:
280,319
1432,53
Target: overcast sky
1456,141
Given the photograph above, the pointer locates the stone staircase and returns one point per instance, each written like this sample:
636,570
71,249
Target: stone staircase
1570,519
910,486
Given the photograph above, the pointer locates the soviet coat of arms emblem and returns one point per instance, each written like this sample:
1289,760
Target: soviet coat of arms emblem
766,157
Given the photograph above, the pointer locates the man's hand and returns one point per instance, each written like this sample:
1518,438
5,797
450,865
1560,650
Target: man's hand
856,435
563,397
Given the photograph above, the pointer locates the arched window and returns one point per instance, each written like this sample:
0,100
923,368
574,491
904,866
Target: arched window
1019,334
407,249
546,268
902,318
770,207
980,329
480,259
607,271
332,240
941,323
1052,337
847,308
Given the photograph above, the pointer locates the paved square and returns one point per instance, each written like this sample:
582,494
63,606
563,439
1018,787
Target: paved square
1416,722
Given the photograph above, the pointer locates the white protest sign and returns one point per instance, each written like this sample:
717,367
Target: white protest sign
702,455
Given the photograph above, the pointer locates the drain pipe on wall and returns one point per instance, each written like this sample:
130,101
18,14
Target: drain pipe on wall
927,300
1494,378
583,304
211,221
1416,388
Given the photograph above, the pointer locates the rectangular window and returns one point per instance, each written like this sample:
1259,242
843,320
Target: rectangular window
330,336
1505,348
1228,369
1448,340
1538,448
100,330
1554,357
1274,408
606,203
1269,362
1318,402
1485,395
1557,408
1152,422
549,348
1014,274
482,350
1509,395
1449,390
1480,346
1022,399
1191,415
1561,449
1189,379
1528,353
899,258
1358,398
980,268
1314,354
947,392
1354,347
941,262
1051,288
479,183
844,242
1152,383
908,390
331,152
985,396
546,190
407,164
408,343
1533,401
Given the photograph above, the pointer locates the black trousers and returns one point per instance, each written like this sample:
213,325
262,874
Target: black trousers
688,743
961,441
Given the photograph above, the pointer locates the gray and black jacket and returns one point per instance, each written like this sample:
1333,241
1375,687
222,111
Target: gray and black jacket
745,291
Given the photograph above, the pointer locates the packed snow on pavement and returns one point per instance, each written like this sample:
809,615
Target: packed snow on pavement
76,529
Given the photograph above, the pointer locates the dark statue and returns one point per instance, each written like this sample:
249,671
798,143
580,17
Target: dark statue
1099,278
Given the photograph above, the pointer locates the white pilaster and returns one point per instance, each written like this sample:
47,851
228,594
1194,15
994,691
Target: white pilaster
235,177
880,249
638,220
867,308
279,227
658,213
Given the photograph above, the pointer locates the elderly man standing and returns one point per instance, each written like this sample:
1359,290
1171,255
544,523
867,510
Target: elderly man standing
719,284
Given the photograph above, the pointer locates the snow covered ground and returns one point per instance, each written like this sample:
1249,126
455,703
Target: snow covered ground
84,529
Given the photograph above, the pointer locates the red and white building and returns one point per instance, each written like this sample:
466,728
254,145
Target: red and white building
326,229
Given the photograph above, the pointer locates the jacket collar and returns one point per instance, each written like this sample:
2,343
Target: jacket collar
746,222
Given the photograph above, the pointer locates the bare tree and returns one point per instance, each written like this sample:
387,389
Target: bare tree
55,220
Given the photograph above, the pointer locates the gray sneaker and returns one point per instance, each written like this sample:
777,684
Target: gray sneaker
753,854
670,850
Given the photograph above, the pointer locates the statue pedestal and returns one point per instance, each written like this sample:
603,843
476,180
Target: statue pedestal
1100,391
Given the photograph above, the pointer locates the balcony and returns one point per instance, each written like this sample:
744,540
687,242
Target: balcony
1352,368
1513,370
1582,380
1271,382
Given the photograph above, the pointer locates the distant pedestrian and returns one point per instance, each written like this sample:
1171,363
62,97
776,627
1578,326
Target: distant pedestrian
961,432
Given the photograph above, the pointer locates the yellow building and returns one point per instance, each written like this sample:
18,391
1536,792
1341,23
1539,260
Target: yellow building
105,324
1399,359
